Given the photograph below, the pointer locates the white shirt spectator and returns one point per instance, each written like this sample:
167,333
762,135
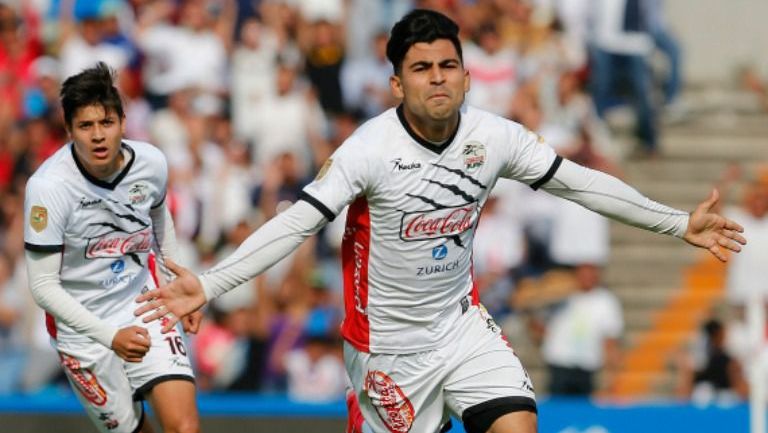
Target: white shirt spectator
747,272
321,381
575,335
578,235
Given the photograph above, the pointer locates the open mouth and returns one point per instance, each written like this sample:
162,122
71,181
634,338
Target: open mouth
100,152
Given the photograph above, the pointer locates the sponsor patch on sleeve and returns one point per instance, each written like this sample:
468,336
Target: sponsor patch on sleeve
38,218
324,169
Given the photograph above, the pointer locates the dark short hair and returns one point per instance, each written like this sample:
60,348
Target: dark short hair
420,25
93,86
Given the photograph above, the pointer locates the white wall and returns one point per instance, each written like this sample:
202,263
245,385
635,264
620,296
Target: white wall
718,36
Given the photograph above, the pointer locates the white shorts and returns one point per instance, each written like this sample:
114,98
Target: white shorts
476,377
111,389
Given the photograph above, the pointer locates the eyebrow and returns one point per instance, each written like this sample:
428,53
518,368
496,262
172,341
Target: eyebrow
426,63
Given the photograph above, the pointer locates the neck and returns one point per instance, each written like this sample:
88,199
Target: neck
434,131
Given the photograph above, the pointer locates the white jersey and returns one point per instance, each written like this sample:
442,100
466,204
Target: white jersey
103,229
407,248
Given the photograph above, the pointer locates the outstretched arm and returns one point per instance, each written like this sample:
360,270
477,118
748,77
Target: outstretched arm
615,199
265,247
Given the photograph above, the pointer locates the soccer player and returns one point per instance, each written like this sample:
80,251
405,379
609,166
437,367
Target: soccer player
94,213
418,346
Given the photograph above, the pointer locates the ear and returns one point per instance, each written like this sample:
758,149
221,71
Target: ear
396,86
122,125
466,81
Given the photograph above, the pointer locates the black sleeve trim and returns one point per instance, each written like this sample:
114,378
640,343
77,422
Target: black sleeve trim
162,200
140,393
318,205
43,248
478,418
550,173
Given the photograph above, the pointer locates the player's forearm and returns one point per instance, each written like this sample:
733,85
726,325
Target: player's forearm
162,225
266,246
615,199
45,285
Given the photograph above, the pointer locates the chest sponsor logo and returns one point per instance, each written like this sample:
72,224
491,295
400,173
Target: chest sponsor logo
392,405
437,223
38,218
474,155
439,252
117,266
118,244
118,280
138,193
399,165
423,271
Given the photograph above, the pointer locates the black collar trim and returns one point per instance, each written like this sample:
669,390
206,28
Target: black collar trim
98,182
436,148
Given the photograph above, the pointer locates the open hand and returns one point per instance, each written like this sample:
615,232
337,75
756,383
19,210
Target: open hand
709,230
175,300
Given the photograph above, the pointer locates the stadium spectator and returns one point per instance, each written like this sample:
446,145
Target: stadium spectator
582,338
365,80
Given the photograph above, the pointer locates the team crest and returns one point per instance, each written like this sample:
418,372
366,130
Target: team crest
38,218
474,155
324,169
138,193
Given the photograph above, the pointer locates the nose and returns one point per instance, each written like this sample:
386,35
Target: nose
98,133
436,75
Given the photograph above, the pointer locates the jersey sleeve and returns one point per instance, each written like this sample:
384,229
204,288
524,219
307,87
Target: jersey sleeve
344,176
530,159
161,174
45,216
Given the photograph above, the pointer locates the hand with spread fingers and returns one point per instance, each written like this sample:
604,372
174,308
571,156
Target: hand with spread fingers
131,343
177,299
711,231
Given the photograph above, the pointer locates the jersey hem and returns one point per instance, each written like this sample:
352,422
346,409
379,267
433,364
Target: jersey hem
43,248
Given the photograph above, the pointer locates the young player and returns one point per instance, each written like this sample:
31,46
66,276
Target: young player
94,212
418,346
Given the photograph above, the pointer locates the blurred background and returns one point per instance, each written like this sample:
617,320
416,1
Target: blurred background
248,98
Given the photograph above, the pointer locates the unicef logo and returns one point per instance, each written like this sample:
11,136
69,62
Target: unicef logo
117,266
439,252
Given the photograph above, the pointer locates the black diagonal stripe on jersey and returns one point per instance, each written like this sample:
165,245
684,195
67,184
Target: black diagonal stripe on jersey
132,218
461,174
136,259
429,201
110,225
452,188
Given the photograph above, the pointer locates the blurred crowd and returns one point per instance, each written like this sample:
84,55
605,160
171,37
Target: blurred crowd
248,98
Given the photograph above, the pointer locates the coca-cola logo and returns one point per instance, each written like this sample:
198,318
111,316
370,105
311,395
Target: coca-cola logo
84,380
394,408
438,223
118,244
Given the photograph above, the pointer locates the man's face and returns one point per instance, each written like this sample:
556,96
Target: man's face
96,134
432,81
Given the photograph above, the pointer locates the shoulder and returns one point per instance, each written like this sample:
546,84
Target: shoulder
493,123
54,171
146,153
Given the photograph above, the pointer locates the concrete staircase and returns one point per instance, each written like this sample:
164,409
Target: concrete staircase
667,287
